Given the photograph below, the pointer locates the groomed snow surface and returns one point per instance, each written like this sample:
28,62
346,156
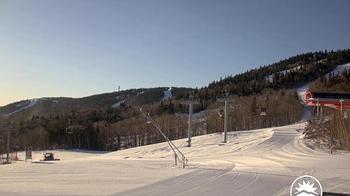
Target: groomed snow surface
258,162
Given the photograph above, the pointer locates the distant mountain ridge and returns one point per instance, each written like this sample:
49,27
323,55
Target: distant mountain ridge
285,74
112,121
60,105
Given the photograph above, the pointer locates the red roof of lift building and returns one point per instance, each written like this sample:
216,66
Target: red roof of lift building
328,99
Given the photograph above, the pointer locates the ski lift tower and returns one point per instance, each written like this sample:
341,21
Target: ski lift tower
226,99
190,103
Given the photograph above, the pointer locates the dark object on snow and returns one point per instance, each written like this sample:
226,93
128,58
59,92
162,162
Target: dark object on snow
334,194
49,157
331,95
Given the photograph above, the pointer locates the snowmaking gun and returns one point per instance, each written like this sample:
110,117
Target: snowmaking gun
178,155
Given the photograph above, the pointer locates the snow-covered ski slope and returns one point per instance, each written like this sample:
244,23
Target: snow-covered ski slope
339,69
26,104
258,162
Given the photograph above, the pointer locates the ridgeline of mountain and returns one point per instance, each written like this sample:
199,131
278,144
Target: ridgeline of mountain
285,74
60,105
288,73
112,121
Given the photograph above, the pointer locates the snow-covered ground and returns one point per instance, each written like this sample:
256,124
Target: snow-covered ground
258,162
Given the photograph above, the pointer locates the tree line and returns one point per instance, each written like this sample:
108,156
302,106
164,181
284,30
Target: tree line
124,127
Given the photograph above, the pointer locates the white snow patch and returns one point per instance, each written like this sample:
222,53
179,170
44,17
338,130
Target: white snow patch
269,78
339,70
116,105
26,105
140,93
167,94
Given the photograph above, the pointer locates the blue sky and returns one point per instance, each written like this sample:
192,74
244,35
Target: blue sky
83,47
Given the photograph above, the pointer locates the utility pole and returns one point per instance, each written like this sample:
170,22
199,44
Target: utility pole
318,108
341,107
225,122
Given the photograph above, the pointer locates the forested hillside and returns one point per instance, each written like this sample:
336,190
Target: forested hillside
112,121
289,73
333,82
